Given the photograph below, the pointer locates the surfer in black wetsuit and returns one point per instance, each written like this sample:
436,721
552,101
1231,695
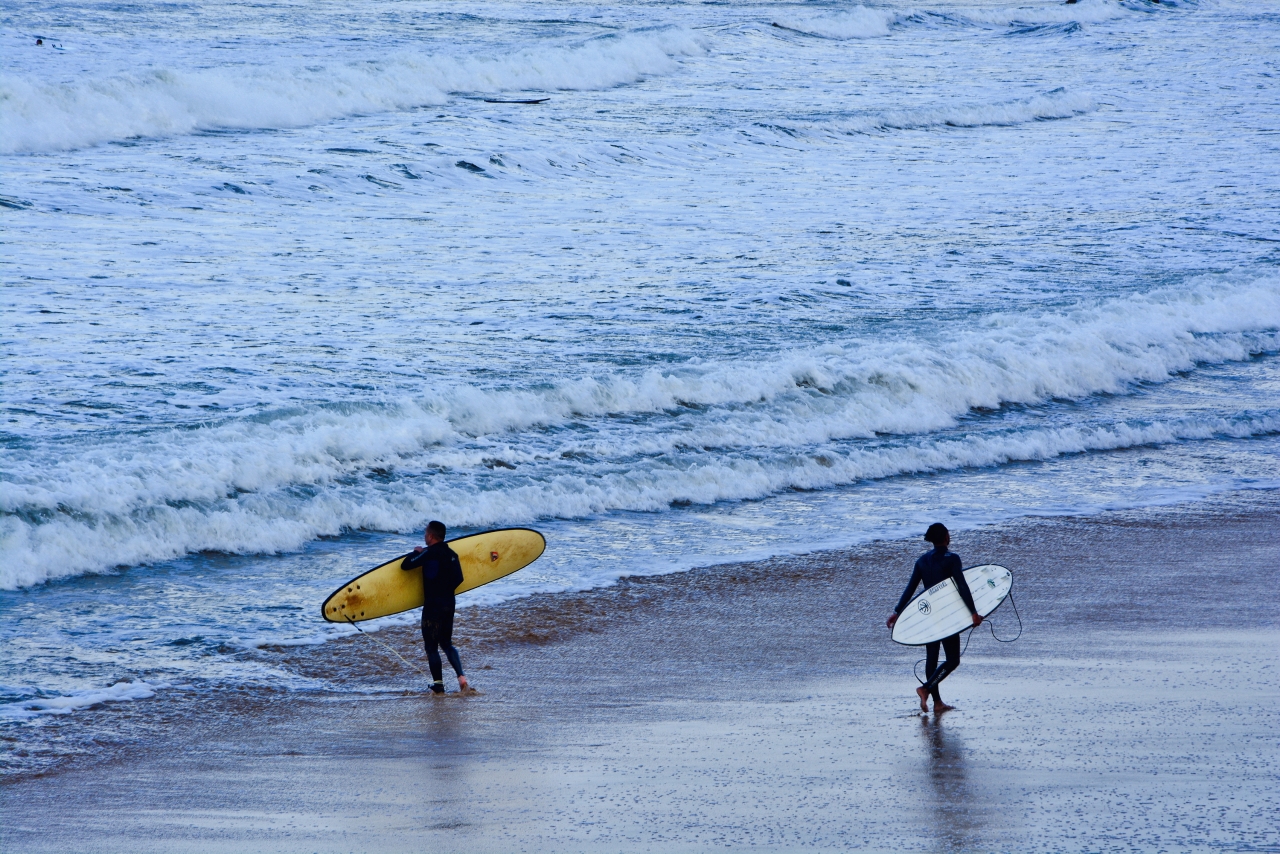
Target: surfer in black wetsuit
441,575
932,568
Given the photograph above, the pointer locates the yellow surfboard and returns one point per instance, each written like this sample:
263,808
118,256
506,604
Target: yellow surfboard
387,589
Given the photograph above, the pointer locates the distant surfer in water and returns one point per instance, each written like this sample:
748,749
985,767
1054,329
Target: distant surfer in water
441,575
932,568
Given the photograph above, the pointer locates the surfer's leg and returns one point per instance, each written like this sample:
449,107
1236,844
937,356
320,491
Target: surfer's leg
930,665
437,668
452,652
952,647
430,634
445,637
446,642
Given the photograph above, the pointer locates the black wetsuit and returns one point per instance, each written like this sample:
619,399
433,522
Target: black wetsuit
441,575
933,568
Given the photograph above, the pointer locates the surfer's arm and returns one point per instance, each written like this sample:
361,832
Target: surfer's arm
412,561
455,566
962,585
911,588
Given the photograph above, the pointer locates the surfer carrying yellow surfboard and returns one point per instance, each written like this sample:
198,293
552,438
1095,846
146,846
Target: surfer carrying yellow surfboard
933,568
441,575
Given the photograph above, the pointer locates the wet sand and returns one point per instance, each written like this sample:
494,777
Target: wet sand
756,706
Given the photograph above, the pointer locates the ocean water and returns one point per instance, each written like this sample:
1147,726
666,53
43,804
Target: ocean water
282,282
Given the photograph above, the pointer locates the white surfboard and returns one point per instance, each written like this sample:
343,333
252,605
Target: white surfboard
939,612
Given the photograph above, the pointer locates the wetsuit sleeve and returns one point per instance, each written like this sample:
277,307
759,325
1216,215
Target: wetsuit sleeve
911,588
456,574
957,574
414,560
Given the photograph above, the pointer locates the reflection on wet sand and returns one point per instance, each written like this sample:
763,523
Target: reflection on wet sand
442,782
955,813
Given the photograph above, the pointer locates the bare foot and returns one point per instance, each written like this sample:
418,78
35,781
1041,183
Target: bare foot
939,708
924,698
463,685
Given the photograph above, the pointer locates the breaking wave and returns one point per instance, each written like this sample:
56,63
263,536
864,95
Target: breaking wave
860,22
1057,104
864,22
37,116
702,433
1083,12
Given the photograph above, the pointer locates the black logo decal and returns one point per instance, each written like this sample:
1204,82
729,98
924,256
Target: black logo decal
924,607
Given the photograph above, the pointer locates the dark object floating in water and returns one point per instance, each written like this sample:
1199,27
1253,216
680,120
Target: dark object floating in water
470,167
516,101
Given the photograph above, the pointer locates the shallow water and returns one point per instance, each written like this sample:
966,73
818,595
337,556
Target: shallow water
280,286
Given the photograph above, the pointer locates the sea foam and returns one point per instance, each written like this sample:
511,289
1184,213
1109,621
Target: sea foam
701,433
40,116
1055,104
1084,12
37,706
862,22
859,22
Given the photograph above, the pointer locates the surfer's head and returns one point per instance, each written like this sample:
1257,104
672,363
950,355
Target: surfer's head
435,532
938,535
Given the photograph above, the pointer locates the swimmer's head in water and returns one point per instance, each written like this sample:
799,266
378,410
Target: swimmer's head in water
938,534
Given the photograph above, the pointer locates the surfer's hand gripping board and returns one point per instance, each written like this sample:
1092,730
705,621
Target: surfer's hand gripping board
386,589
939,612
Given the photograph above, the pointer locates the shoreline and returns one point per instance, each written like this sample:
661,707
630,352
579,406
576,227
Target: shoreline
702,654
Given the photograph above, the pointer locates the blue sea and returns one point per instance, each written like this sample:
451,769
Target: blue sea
284,281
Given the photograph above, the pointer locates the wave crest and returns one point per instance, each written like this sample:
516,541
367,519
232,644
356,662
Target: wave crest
37,116
860,22
703,433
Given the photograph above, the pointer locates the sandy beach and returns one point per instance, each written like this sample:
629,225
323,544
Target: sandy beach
757,706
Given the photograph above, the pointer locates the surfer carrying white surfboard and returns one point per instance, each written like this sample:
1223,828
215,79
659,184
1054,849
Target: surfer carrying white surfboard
441,575
933,568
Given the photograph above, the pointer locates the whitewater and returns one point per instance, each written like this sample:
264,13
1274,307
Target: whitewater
282,283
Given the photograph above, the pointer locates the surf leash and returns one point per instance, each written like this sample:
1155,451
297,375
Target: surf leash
1016,614
991,625
388,648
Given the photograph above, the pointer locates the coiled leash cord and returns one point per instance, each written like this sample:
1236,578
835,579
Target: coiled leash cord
389,649
916,669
